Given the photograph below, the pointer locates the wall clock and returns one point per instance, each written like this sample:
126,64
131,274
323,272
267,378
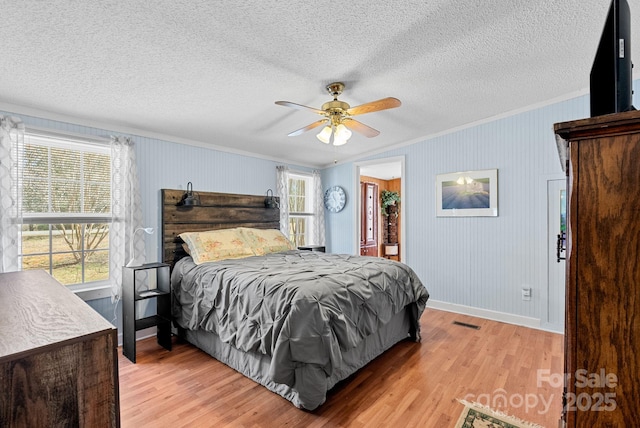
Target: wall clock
334,199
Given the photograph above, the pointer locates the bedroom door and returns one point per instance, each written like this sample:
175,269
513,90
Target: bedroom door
557,225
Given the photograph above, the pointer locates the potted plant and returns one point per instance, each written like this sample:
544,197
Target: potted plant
389,198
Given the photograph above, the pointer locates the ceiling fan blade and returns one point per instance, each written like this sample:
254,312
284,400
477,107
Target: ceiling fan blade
308,127
360,127
299,106
383,104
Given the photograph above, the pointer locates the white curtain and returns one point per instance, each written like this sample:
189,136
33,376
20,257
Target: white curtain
11,140
126,211
318,210
282,189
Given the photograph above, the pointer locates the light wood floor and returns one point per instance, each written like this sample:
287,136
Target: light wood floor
411,385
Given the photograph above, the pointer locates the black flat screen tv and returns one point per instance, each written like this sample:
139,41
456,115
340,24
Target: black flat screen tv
611,74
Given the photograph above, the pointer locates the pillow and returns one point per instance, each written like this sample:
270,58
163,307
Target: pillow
265,241
214,245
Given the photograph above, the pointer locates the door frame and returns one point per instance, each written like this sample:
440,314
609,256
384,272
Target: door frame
358,200
556,278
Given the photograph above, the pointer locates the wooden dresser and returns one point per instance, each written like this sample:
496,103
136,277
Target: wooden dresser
602,325
58,357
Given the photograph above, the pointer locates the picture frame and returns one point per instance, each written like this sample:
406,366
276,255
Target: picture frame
467,194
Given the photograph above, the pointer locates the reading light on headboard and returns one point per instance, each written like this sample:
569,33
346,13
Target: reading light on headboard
189,199
269,201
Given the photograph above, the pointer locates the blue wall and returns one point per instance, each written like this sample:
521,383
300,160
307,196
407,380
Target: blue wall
475,262
470,263
168,165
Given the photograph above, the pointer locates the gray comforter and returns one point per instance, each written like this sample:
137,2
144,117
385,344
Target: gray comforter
296,306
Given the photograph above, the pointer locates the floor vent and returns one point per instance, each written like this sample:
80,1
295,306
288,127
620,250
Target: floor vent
464,324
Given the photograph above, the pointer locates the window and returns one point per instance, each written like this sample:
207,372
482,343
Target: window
301,205
65,188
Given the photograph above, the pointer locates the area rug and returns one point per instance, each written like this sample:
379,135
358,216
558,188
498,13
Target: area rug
477,416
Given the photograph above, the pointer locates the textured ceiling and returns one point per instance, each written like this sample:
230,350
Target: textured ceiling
208,72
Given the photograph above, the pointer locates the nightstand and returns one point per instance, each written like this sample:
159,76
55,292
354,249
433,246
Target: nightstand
130,296
320,248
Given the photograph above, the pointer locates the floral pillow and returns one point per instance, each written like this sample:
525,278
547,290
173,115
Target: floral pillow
265,241
214,245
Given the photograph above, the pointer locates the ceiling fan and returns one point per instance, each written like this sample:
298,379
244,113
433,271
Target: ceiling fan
337,116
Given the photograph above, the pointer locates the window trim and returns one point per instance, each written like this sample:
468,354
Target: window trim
100,143
91,290
309,179
41,218
309,196
88,143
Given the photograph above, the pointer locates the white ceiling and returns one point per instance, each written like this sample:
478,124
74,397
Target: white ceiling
209,71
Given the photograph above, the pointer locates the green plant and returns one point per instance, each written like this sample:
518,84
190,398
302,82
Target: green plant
388,198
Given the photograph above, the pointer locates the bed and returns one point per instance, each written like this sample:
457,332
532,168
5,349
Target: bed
295,321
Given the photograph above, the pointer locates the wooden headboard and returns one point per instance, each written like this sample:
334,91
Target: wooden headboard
216,211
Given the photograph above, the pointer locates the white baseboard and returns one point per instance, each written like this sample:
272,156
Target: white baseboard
485,313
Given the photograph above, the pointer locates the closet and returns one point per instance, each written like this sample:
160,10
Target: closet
602,318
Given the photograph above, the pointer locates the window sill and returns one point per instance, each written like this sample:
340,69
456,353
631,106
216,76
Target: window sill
96,290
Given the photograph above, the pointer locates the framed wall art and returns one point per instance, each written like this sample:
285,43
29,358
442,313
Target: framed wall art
467,194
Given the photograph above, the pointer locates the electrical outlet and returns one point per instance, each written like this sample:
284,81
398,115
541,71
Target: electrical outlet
526,293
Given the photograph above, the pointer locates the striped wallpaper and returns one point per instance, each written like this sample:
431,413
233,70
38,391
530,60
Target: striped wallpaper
469,264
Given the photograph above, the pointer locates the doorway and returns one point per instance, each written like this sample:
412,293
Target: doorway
557,226
380,174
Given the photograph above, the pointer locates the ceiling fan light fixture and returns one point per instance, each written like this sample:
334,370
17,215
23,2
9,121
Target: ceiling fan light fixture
342,132
338,135
339,141
334,112
341,135
325,135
